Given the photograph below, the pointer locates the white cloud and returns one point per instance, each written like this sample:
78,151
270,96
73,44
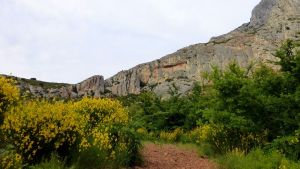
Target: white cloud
70,40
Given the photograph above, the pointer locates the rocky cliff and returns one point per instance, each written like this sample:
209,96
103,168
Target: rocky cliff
93,86
272,22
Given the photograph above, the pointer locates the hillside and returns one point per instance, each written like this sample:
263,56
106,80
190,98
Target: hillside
93,86
272,22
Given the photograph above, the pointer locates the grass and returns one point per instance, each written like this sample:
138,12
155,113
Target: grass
45,85
53,163
256,159
34,82
92,158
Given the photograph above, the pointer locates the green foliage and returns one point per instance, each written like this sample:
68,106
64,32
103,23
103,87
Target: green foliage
53,163
256,159
10,159
286,54
289,145
221,141
154,114
244,108
127,146
94,158
253,103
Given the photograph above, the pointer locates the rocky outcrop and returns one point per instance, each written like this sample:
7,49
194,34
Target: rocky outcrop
93,86
272,22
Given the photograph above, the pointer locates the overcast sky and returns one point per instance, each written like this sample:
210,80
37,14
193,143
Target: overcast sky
71,40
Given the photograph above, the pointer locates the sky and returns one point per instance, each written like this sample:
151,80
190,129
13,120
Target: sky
71,40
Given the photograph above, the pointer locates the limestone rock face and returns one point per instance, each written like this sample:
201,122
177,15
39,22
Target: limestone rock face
261,13
272,22
93,86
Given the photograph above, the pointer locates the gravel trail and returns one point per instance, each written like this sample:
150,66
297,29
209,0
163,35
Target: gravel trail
171,157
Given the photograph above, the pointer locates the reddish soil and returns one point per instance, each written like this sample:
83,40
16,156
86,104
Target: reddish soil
171,157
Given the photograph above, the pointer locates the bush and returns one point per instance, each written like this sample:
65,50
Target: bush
256,159
9,159
149,111
101,112
108,130
9,95
172,136
289,145
72,130
223,139
94,158
36,129
53,163
251,108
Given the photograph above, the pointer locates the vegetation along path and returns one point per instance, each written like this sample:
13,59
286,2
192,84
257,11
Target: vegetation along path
166,156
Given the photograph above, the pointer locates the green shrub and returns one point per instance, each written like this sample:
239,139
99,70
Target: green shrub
222,139
256,159
9,159
53,163
127,146
93,158
252,107
289,145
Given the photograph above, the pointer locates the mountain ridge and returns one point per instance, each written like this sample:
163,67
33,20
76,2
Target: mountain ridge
272,22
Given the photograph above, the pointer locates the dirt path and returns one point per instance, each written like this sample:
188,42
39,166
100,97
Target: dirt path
171,157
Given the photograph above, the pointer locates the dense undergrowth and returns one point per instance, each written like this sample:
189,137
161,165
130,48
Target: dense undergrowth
237,115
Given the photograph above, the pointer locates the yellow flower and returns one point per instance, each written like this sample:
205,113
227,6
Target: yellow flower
34,126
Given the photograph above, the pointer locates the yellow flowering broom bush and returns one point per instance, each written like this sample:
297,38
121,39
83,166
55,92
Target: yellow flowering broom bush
39,128
100,115
171,136
224,139
9,95
101,112
107,129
